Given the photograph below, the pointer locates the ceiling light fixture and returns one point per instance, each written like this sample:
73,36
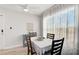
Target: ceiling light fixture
25,8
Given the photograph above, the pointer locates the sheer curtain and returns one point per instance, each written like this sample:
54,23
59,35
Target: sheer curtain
62,24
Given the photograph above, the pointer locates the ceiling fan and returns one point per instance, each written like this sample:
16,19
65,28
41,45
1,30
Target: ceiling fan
27,8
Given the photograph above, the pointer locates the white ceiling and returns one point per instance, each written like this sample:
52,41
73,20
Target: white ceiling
35,9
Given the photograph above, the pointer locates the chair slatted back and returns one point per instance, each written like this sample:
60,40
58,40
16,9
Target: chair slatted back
57,46
31,50
50,36
29,46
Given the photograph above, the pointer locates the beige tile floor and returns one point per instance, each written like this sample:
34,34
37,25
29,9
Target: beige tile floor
14,51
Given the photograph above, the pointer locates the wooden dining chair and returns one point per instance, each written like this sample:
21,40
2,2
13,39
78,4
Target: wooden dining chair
50,36
56,47
31,50
33,34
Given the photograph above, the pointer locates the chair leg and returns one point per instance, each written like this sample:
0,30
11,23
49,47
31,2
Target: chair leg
28,51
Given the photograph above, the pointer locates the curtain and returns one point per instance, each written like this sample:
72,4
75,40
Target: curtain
62,24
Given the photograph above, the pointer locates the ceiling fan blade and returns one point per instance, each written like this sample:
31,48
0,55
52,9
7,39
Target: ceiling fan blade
23,5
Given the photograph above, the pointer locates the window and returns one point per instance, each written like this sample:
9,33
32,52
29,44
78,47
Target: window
62,24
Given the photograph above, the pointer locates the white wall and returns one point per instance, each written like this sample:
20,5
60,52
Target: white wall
18,21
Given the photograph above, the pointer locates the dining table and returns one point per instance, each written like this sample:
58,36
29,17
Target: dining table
41,46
